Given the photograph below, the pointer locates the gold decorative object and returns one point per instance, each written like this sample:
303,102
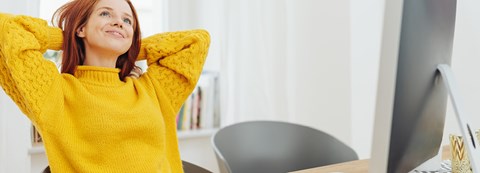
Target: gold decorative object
460,161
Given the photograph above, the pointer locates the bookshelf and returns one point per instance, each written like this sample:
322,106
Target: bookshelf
201,110
36,149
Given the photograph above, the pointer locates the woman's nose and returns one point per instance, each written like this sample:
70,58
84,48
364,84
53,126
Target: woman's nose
117,22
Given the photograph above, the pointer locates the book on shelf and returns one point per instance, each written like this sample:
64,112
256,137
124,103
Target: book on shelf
36,138
201,109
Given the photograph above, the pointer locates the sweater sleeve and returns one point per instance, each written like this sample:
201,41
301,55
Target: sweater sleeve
175,61
25,75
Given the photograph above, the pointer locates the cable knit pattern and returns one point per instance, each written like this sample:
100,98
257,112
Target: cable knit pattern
169,57
92,121
23,39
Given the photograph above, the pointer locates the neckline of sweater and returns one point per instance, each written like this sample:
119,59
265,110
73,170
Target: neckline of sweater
99,75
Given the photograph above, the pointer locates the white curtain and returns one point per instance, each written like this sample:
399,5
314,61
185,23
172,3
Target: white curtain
284,60
256,61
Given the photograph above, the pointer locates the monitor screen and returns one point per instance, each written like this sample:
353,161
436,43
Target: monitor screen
411,97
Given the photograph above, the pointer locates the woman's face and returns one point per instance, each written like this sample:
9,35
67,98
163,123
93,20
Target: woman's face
109,28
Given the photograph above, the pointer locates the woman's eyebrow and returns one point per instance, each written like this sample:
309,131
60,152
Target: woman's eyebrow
111,9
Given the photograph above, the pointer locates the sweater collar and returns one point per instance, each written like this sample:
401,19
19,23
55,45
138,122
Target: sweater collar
98,75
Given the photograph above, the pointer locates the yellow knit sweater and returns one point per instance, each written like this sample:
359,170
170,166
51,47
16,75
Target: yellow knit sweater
92,121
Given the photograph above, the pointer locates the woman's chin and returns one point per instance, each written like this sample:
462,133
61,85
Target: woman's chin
119,50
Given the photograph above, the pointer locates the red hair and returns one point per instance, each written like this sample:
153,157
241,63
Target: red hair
74,15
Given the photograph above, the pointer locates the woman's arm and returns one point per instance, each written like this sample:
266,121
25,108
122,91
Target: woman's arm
25,75
175,61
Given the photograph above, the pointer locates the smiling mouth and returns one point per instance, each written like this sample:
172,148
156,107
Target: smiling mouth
115,33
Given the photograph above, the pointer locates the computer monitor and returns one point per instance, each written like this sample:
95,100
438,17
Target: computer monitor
411,98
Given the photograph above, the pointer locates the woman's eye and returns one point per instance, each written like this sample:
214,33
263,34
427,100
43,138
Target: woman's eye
128,21
105,13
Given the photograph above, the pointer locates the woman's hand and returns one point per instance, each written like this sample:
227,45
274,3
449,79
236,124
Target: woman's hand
136,72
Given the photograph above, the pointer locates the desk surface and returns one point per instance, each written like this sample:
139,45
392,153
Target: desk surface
357,166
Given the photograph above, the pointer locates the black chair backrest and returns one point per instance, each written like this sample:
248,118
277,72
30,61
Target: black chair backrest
269,146
46,170
192,168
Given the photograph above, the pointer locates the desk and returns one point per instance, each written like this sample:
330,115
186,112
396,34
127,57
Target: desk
357,166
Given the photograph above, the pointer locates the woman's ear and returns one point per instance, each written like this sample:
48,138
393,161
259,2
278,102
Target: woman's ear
81,32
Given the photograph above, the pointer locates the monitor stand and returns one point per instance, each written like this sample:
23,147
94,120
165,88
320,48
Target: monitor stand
471,142
470,139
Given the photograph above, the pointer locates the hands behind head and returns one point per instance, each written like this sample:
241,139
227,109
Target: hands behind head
136,72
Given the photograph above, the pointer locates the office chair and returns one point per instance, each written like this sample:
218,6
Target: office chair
272,147
187,168
192,168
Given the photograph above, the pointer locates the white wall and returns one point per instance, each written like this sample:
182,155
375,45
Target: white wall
366,25
28,7
320,70
465,60
39,162
15,137
3,157
199,14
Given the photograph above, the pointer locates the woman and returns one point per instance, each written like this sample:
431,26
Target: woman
93,117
